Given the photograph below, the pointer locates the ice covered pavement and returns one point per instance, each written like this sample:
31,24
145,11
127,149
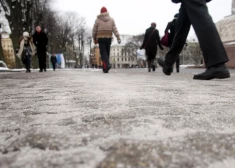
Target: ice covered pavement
125,119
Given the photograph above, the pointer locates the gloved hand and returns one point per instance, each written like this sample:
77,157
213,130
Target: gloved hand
18,55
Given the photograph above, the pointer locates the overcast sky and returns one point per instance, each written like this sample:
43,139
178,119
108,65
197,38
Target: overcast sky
134,16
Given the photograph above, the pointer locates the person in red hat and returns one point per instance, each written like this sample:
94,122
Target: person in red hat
103,30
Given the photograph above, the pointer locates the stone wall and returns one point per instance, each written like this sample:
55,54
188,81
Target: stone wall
226,28
230,49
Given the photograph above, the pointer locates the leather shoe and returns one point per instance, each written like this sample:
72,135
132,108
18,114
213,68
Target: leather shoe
166,69
216,72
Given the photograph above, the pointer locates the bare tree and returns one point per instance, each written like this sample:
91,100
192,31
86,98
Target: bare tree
22,15
133,45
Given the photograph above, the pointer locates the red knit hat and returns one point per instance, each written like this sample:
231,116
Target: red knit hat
103,10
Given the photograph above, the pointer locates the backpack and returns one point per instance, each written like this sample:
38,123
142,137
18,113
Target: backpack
27,52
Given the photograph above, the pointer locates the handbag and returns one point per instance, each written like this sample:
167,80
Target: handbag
165,39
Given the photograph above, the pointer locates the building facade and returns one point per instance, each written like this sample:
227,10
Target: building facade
227,34
122,56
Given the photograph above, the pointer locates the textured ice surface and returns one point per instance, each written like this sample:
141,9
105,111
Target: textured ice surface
127,118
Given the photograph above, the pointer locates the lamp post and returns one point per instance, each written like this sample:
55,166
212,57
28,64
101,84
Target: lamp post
1,51
90,40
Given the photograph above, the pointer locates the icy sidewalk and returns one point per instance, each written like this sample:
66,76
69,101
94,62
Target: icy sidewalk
128,118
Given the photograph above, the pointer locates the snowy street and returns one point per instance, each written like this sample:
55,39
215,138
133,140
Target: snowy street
128,118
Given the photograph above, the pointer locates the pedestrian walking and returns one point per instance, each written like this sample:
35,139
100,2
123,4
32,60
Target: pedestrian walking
195,13
26,50
103,30
53,61
40,40
150,43
171,26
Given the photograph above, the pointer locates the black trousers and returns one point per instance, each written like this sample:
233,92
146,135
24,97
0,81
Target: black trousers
42,58
104,46
53,65
27,62
195,13
177,64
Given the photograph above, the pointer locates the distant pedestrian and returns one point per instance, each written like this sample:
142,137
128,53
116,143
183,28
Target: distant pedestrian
150,43
195,13
40,40
103,30
171,26
53,61
26,50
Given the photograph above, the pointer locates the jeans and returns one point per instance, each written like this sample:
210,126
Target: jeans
27,62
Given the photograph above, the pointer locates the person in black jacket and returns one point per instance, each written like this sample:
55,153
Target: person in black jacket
40,40
172,27
151,40
195,13
53,61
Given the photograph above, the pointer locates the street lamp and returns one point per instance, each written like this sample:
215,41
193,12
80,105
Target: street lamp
90,40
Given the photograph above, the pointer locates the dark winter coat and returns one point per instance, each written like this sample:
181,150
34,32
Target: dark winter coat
151,40
53,59
40,40
178,1
172,27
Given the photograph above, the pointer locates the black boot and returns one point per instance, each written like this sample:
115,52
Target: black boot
153,68
215,72
166,68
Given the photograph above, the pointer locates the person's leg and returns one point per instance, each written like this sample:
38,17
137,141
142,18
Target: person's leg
182,29
208,36
53,64
214,53
29,63
26,64
104,55
40,62
149,65
108,44
152,64
44,61
177,64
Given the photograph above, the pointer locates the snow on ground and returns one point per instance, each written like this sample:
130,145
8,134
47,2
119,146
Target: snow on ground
127,118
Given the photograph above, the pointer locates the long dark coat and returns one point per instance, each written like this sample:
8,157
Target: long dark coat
40,40
151,40
53,59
